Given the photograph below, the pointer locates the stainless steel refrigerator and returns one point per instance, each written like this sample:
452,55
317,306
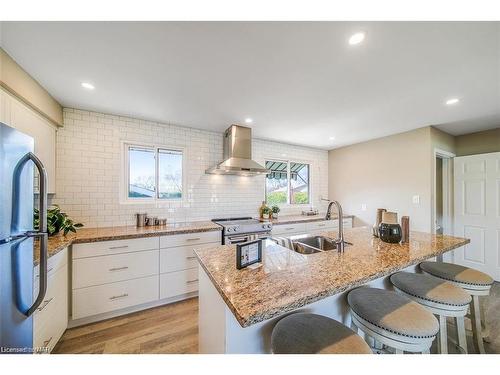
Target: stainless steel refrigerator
17,237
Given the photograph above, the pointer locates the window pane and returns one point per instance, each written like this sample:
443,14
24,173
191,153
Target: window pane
276,182
141,173
170,174
299,183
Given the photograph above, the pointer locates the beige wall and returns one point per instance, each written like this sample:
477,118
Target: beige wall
19,83
478,143
387,173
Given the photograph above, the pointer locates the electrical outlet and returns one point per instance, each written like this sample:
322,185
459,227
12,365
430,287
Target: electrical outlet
363,207
416,199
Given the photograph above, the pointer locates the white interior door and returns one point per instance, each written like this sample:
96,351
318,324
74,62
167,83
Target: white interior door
477,211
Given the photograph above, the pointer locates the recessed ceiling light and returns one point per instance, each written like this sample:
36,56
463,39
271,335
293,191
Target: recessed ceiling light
332,138
356,38
88,86
248,120
452,101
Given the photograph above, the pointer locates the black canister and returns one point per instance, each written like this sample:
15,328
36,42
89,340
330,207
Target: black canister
389,232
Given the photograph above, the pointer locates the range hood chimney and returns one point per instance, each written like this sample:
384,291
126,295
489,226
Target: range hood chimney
238,154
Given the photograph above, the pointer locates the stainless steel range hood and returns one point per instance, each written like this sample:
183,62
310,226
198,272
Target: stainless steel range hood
238,154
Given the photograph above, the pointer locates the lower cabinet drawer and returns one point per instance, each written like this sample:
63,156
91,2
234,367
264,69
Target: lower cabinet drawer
177,259
104,298
176,283
287,229
50,319
113,268
322,225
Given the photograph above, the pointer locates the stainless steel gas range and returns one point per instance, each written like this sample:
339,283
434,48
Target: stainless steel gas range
243,229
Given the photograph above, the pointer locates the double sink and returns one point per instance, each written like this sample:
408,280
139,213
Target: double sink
314,244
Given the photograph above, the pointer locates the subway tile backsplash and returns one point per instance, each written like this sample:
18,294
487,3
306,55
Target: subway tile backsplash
89,165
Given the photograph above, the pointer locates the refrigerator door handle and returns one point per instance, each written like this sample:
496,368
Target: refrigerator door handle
42,229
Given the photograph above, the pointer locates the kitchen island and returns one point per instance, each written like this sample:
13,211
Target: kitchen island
239,308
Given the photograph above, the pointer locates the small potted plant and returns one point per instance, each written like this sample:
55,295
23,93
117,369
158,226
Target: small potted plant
266,211
275,210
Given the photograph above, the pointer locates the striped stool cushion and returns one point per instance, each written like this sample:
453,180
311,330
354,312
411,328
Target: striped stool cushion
457,273
393,312
431,288
302,333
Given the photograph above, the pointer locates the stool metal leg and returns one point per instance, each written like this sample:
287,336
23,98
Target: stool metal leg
462,338
484,326
443,335
476,325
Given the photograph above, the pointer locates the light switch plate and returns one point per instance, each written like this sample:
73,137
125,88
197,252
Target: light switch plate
416,199
363,207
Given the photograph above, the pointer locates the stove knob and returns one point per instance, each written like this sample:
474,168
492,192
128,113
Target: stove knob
235,229
229,229
268,226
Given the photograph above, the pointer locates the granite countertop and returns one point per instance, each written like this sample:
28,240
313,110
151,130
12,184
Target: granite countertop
288,280
293,219
58,242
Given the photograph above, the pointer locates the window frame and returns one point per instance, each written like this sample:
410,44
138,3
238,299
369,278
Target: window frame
125,172
289,183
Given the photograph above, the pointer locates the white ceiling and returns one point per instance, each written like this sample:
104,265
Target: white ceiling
301,82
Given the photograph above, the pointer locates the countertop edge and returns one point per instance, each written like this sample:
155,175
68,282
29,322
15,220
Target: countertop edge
68,241
251,320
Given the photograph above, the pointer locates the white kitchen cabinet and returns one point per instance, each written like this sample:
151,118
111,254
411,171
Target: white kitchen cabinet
177,283
18,115
178,264
112,268
111,278
100,299
311,227
286,230
95,249
50,319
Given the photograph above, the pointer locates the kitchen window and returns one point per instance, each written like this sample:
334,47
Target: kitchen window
287,183
153,173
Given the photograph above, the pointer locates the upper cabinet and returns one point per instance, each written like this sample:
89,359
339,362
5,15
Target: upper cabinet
18,115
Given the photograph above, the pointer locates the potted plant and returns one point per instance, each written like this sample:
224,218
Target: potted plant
266,211
56,221
275,210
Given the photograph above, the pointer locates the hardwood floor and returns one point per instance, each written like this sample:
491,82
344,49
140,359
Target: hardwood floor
165,329
174,329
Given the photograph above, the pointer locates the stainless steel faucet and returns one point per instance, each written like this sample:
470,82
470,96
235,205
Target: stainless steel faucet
340,236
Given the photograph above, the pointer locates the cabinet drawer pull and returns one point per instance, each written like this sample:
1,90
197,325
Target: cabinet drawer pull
45,303
47,342
118,268
192,257
321,225
193,239
118,247
120,296
192,281
289,228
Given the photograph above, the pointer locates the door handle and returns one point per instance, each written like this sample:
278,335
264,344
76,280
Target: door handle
42,228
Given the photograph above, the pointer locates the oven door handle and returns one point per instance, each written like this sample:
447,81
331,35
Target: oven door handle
240,239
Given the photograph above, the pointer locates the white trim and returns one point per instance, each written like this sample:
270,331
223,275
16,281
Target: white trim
124,174
446,158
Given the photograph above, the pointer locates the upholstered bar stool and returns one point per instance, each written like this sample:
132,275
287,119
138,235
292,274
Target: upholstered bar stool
474,282
439,296
303,333
392,319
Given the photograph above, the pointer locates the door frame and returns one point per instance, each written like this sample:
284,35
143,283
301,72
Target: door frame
447,159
